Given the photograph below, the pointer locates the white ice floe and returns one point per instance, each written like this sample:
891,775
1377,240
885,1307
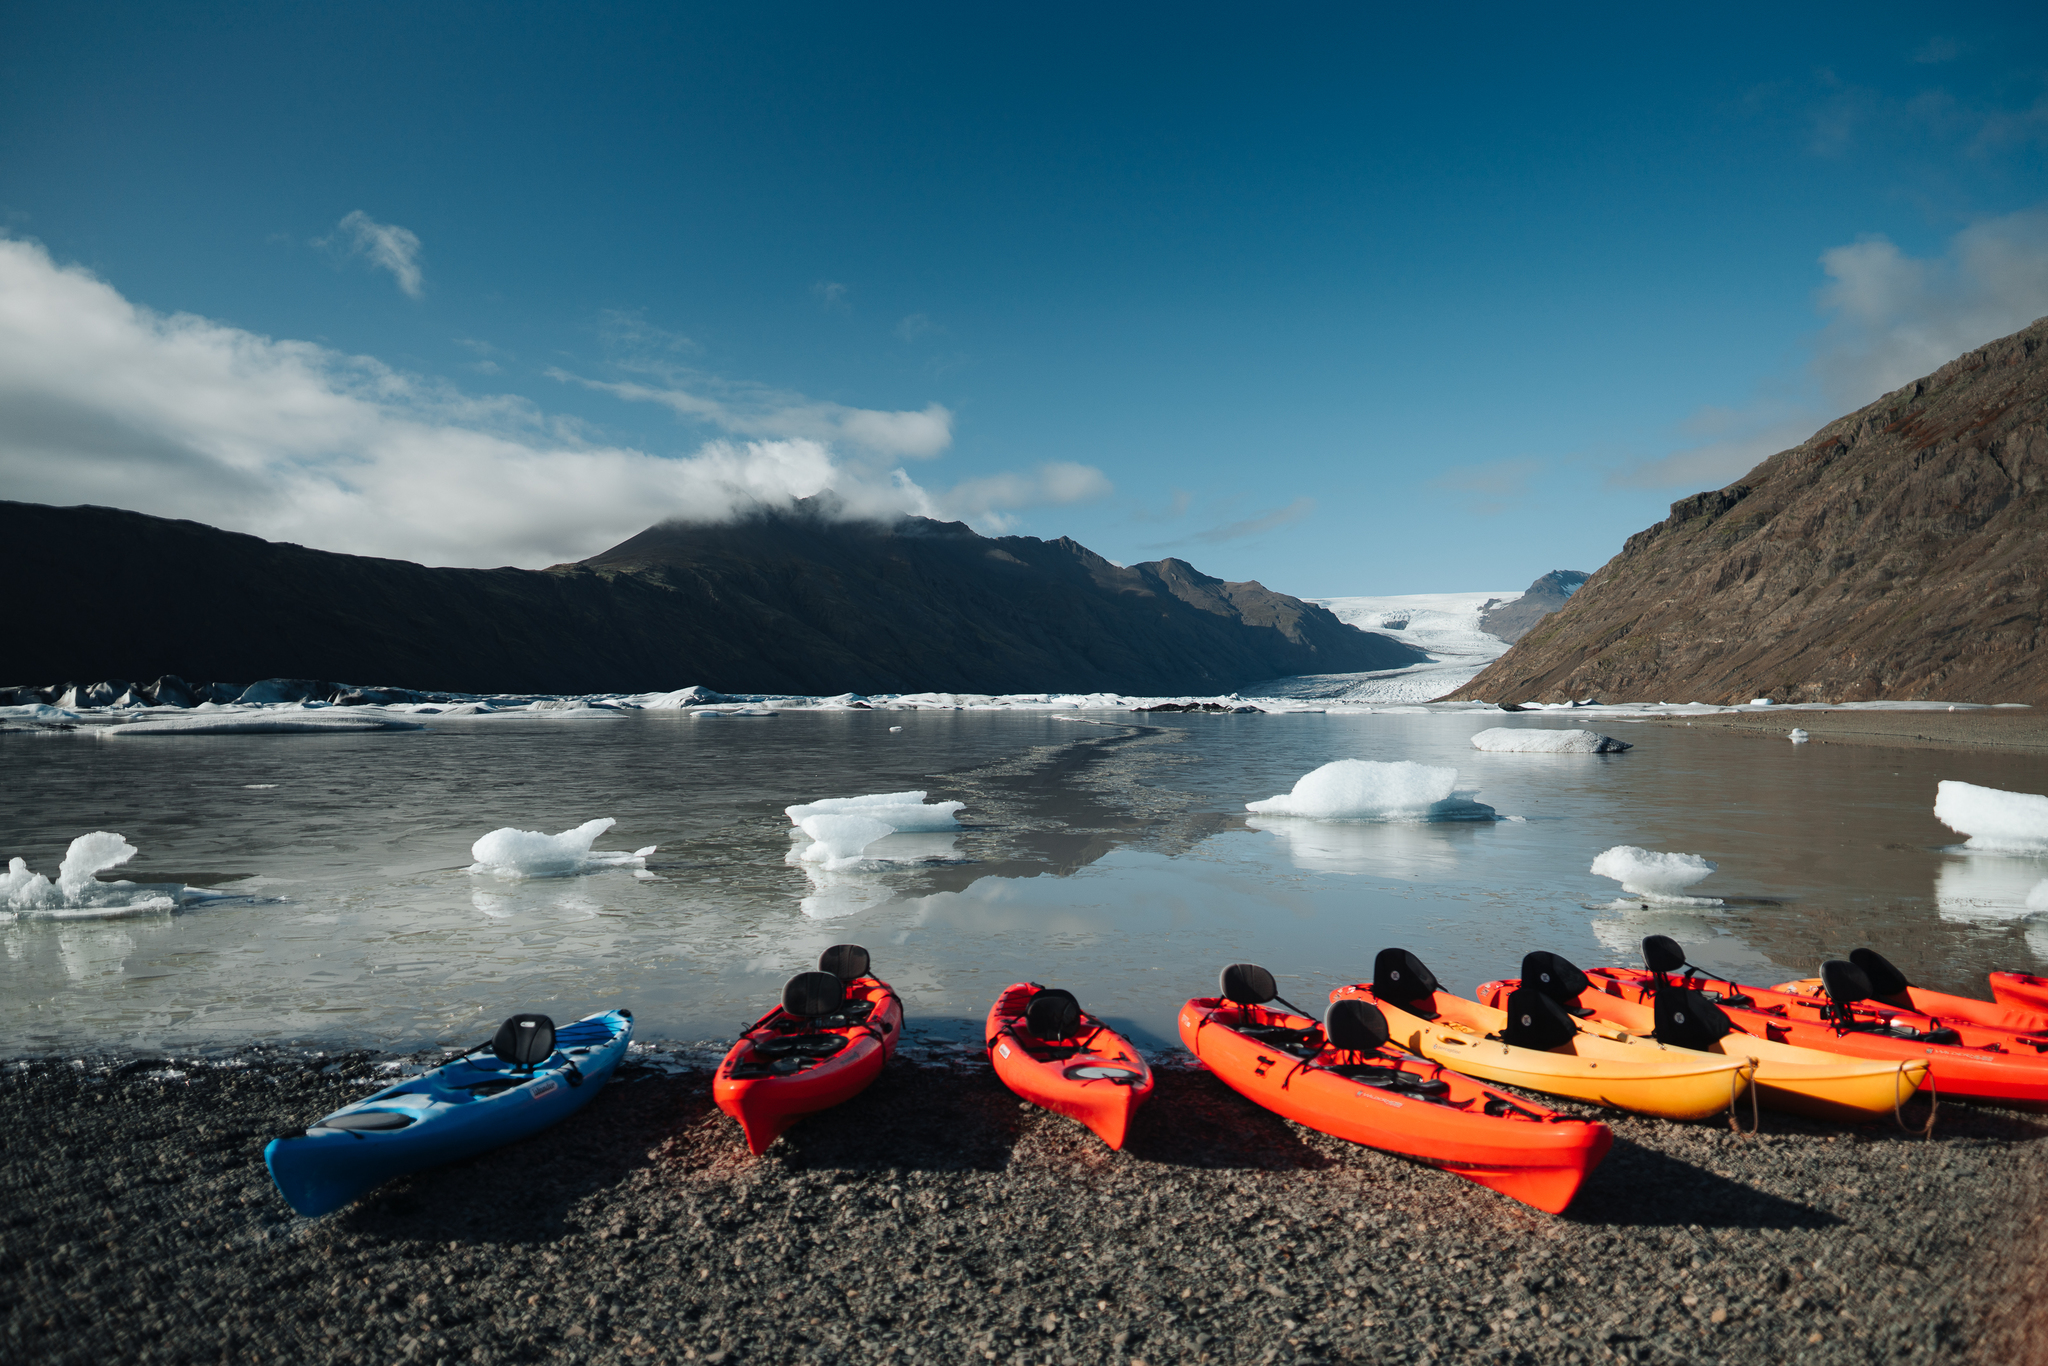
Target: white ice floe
36,711
529,853
1520,740
2037,900
284,721
1799,736
78,892
1995,820
1655,877
898,810
845,832
1363,790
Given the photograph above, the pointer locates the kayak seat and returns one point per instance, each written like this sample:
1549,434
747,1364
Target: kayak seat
1053,1015
1687,1019
1536,1019
524,1041
847,962
1401,979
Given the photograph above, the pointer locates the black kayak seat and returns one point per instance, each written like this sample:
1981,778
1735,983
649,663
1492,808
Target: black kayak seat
1662,953
1555,976
1536,1019
1355,1026
1053,1015
1247,984
847,962
1887,983
1685,1018
524,1041
1401,979
809,995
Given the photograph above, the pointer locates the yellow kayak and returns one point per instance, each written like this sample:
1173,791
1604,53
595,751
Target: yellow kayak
1800,1081
1670,1083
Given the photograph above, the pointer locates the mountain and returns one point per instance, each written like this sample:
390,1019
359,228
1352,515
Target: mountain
1899,553
1512,620
794,601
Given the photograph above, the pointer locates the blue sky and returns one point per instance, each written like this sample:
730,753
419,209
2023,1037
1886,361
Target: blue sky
1345,299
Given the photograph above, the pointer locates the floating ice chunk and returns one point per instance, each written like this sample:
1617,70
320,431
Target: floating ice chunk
1655,877
529,853
78,890
2037,900
897,810
259,723
37,711
1799,736
837,841
1515,740
1761,702
1362,790
2002,822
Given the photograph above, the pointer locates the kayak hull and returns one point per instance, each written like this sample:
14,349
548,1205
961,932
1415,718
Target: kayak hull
1801,1081
1046,1077
766,1106
1941,1007
466,1107
1523,1150
2008,1073
1667,1083
2022,989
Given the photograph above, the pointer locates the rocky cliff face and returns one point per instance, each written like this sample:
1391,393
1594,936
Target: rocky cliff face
1513,620
796,602
1899,553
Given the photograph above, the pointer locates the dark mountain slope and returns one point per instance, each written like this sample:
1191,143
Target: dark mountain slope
782,602
1511,621
1899,553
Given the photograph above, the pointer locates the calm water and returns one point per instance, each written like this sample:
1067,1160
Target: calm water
1111,856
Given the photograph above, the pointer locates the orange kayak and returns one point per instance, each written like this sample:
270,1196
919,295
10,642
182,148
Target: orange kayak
823,1045
1967,1063
2022,989
1338,1079
1892,993
1050,1052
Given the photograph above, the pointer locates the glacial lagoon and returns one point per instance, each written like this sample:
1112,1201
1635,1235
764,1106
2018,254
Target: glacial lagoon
1106,851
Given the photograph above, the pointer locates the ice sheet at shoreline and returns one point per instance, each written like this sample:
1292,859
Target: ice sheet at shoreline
1531,740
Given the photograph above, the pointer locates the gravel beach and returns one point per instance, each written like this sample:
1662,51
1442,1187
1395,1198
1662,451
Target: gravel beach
2013,729
936,1219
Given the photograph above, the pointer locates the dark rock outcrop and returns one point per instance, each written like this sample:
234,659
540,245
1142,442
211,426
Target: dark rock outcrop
794,601
1899,553
1512,620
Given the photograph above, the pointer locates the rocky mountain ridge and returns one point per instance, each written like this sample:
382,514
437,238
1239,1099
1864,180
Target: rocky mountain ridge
1898,553
794,601
1518,616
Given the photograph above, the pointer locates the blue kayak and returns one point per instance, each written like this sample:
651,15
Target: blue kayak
527,1078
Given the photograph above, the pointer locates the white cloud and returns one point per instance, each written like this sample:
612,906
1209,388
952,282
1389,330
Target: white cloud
384,245
831,294
1891,319
1493,487
915,326
1055,484
104,401
756,410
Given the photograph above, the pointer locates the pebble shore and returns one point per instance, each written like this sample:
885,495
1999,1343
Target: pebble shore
937,1219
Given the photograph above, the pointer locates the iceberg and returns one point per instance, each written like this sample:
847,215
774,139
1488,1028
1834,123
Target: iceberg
1655,877
837,841
78,890
1995,820
1364,790
512,853
1515,740
898,810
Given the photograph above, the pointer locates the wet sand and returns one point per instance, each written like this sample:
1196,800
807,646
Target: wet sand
936,1219
2010,730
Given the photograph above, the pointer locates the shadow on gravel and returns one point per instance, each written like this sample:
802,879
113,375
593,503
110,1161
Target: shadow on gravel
524,1192
1194,1120
1638,1187
926,1119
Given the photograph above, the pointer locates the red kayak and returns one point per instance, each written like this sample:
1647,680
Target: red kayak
823,1045
1052,1053
2021,989
1892,993
1966,1062
1338,1078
